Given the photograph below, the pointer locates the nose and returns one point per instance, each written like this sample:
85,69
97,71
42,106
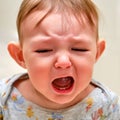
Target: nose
63,61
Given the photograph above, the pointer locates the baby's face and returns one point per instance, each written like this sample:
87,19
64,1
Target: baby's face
59,56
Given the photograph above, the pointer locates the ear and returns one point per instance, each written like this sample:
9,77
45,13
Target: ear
100,48
16,53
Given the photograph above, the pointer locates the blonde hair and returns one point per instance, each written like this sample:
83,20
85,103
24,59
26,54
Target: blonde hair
78,8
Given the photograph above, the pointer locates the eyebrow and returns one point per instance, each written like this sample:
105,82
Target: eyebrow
78,39
48,40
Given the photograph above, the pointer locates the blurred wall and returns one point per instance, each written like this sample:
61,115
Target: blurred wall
107,69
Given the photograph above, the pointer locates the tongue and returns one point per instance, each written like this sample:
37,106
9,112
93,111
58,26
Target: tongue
63,83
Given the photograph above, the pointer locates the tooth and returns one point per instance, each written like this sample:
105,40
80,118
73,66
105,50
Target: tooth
62,88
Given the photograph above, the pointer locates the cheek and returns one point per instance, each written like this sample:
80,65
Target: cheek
40,70
84,74
38,67
86,61
36,63
39,73
85,68
85,71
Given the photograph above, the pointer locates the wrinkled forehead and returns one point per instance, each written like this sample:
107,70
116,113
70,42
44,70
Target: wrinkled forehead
66,19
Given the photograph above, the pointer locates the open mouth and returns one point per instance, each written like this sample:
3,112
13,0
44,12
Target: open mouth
64,84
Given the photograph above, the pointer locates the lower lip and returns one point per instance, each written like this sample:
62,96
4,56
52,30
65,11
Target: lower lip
62,91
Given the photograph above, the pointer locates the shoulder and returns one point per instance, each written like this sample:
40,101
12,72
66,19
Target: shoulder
6,85
109,95
110,101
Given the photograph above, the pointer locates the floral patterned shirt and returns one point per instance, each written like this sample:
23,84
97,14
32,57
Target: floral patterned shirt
100,104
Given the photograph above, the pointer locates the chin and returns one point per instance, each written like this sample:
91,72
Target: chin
63,100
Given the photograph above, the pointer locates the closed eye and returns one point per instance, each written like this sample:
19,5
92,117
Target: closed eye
43,50
79,49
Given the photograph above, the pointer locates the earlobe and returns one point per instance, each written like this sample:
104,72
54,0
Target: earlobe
16,53
100,48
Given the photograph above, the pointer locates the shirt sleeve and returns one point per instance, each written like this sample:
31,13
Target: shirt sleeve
114,110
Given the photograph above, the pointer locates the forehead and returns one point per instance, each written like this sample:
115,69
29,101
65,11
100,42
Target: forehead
54,21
